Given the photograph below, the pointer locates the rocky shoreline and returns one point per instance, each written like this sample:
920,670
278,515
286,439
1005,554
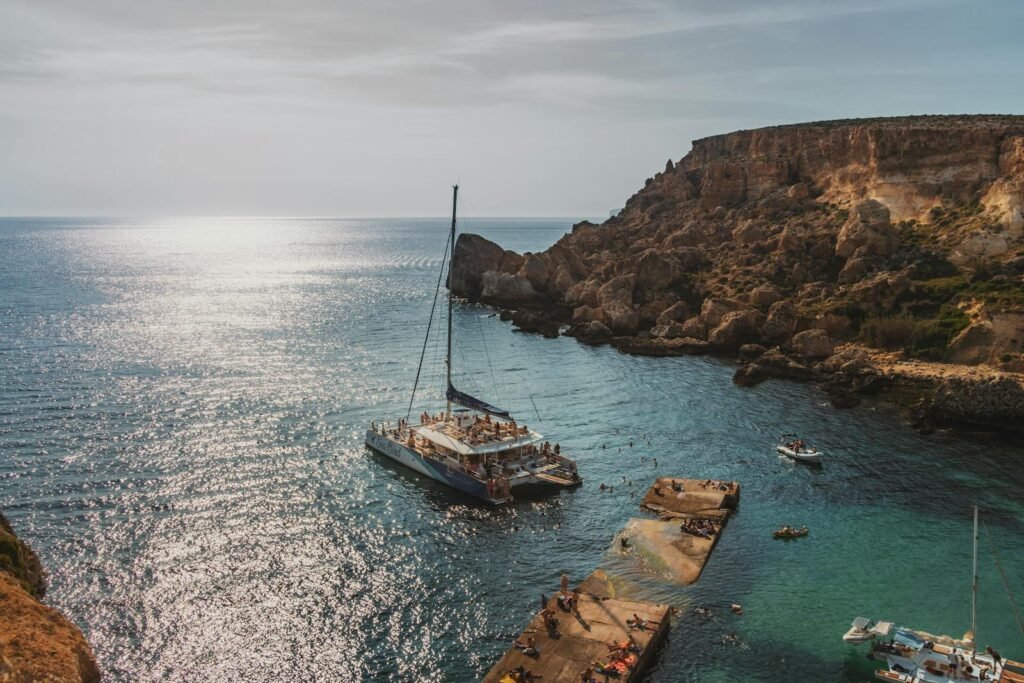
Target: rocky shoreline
875,256
37,643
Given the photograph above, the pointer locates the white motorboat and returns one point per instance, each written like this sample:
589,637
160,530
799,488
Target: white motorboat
793,447
863,630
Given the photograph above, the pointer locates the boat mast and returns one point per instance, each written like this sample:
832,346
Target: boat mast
974,585
451,294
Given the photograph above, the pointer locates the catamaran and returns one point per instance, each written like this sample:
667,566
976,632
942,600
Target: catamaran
477,448
919,657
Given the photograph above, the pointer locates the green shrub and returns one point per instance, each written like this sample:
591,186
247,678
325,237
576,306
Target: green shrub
926,338
941,289
888,333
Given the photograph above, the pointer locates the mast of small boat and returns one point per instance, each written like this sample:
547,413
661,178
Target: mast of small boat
451,294
974,585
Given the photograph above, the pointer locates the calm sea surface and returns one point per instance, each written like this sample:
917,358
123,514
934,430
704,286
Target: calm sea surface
182,405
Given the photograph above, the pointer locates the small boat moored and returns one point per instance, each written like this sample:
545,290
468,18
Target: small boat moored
786,533
913,656
796,448
862,630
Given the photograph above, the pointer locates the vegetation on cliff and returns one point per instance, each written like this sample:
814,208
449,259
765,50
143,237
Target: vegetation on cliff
903,233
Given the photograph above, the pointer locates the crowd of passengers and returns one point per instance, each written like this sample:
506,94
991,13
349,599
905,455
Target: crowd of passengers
700,527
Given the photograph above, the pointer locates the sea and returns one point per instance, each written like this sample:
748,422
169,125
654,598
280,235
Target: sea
182,411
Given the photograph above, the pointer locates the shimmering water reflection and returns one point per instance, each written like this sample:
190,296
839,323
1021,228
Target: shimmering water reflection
181,414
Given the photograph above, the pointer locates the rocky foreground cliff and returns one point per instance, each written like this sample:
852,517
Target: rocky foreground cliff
37,643
806,251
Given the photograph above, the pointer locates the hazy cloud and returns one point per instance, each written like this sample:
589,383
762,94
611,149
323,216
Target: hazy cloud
266,106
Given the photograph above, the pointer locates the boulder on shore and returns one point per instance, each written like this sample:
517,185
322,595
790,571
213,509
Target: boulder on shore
811,344
772,364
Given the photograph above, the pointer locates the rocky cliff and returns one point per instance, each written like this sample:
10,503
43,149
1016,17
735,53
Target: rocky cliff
899,234
37,643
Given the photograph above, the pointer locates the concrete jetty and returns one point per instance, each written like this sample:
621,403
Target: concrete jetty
677,497
582,638
702,505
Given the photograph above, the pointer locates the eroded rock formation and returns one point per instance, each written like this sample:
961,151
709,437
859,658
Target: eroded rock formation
903,233
37,643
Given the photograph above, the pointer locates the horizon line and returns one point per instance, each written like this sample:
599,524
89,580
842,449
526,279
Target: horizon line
578,217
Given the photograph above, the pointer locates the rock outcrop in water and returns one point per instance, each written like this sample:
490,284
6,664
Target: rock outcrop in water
900,234
37,643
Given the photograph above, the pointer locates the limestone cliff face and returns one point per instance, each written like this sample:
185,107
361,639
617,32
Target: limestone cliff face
37,643
903,233
908,164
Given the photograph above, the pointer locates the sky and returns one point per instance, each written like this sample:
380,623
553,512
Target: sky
536,107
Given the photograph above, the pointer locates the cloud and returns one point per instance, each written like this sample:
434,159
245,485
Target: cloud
259,46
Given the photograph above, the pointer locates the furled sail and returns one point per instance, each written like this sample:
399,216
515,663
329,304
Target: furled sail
467,401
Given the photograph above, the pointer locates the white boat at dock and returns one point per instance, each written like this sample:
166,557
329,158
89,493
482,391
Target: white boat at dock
913,656
477,448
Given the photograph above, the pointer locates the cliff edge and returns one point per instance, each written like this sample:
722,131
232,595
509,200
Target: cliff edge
898,234
37,643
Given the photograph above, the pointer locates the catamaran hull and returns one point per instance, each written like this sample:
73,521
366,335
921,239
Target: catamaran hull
435,470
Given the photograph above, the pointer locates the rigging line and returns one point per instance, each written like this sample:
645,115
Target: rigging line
433,306
483,342
535,409
1002,575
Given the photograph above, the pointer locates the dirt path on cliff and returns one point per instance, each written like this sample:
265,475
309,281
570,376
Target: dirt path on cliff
895,364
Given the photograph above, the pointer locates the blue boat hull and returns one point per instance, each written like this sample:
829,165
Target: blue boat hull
437,471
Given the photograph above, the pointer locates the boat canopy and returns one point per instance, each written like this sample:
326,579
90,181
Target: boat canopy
908,638
882,628
465,400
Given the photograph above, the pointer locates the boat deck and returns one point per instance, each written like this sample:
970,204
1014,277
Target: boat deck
583,638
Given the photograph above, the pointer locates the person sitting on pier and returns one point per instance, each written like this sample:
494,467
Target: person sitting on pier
521,674
639,623
625,647
529,648
549,619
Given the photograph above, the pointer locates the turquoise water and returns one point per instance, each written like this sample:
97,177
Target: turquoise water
182,406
